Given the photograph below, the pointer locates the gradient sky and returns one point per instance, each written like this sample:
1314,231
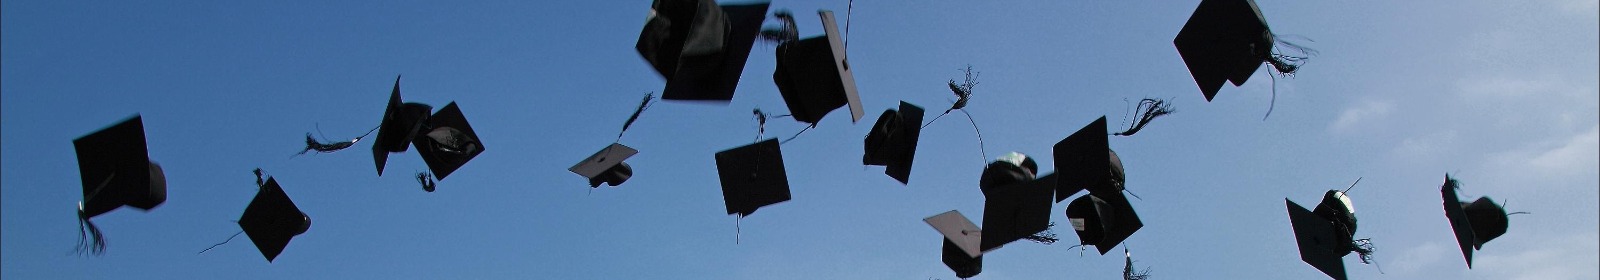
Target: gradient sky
1500,94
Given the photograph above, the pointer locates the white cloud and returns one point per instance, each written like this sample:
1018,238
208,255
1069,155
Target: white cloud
1568,257
1568,156
1422,259
1355,115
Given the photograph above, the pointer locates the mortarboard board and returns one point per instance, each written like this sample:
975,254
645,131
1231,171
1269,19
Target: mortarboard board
272,220
1474,223
814,75
1086,161
893,141
1224,40
448,141
606,166
752,177
115,168
1016,210
1103,220
700,47
1320,246
959,231
964,266
401,122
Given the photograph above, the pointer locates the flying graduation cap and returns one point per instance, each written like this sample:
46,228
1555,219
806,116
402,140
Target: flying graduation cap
700,47
445,139
607,166
1016,204
1326,234
814,75
961,251
116,170
272,220
1104,217
752,177
1474,223
1226,41
893,141
1103,220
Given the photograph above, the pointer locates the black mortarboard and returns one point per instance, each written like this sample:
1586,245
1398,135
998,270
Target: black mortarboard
401,122
893,141
272,220
1086,161
1103,220
961,242
964,266
448,141
606,166
700,47
1225,40
814,75
752,177
116,170
1474,223
1014,210
1320,245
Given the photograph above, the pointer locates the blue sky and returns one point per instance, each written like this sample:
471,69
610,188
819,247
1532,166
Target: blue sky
1501,95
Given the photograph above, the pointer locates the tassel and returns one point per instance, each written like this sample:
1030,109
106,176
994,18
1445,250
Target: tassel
313,145
785,32
1151,108
426,180
91,240
642,106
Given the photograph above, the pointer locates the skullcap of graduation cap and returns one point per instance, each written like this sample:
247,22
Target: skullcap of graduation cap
448,142
958,231
963,265
272,220
752,177
401,122
116,170
1015,211
893,141
1224,40
1320,246
1010,168
700,47
1474,223
1086,161
606,166
1103,221
814,76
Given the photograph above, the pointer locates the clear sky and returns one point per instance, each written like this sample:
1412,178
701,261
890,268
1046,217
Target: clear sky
1500,94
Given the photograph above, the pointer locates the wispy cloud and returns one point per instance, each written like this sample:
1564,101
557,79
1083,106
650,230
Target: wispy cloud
1566,257
1356,115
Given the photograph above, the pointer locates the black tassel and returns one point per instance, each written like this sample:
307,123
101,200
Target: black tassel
1127,270
1045,237
426,180
1151,108
313,145
90,240
785,32
642,106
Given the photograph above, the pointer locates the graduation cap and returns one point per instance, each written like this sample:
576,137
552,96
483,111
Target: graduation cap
606,166
1086,161
1103,220
272,220
1474,223
115,168
447,142
401,122
961,242
700,47
752,177
1226,41
1017,211
1326,234
814,75
893,141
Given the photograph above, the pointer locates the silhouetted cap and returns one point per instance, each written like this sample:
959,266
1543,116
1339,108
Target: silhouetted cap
116,169
1474,223
699,47
1010,168
401,122
958,261
893,141
814,76
1015,204
752,177
448,141
1224,40
1086,161
1103,220
958,230
606,166
1320,245
272,220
